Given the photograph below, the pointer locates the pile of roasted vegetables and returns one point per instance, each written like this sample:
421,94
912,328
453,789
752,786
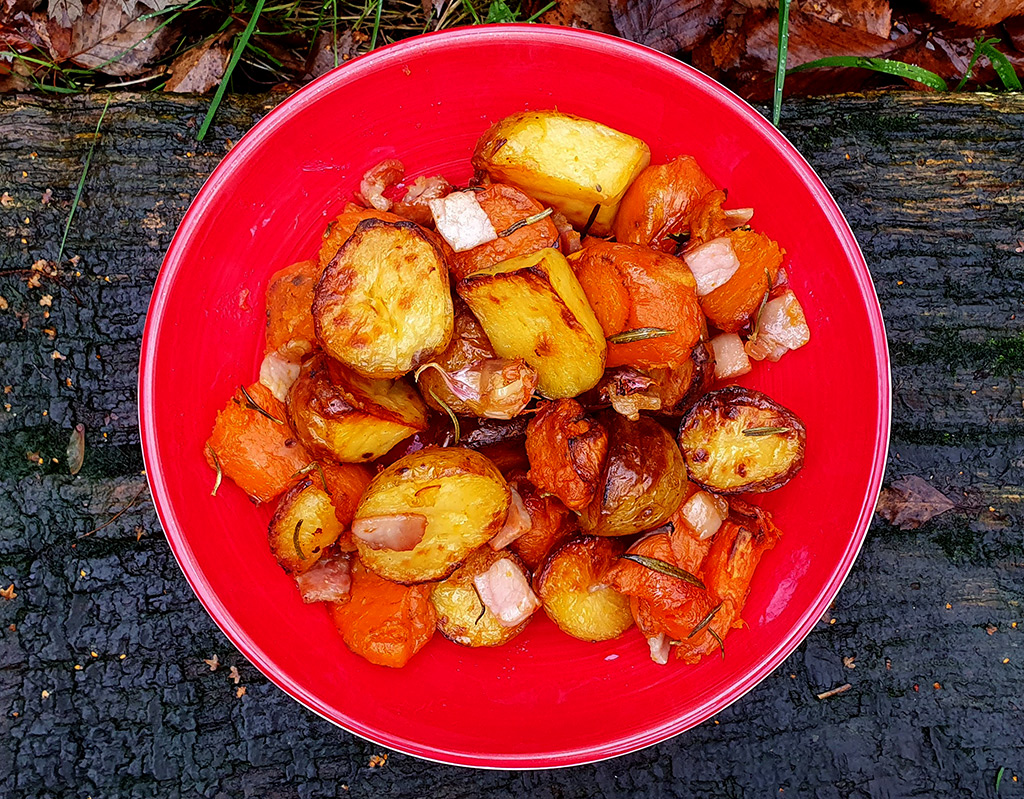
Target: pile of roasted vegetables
476,403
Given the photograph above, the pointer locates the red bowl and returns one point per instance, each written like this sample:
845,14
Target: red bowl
545,699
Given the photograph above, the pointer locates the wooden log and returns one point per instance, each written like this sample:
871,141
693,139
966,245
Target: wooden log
933,188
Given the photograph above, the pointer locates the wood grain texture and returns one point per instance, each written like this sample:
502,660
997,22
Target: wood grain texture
934,190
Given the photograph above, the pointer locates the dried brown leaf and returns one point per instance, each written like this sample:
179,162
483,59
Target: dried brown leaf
910,502
64,12
977,13
9,593
595,15
213,662
234,675
76,449
329,52
112,42
200,68
671,26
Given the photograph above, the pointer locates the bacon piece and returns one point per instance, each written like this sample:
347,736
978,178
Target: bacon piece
506,592
400,532
782,327
712,264
415,204
329,579
731,358
660,648
379,179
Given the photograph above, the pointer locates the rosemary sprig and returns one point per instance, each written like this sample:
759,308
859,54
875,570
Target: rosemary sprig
639,334
255,406
721,643
524,222
780,62
665,568
480,599
590,221
451,414
310,467
295,540
220,472
706,621
757,432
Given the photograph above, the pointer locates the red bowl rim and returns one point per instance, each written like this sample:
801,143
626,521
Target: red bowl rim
392,55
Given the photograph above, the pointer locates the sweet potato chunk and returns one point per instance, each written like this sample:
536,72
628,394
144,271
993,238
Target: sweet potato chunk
644,479
338,414
737,440
289,299
631,288
572,585
567,451
505,205
302,527
550,522
383,305
660,203
462,498
533,307
462,616
567,162
258,453
732,306
384,622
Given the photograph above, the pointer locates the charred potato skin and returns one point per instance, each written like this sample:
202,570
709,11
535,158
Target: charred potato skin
533,307
384,271
336,414
726,413
644,479
528,150
305,514
463,496
565,586
459,607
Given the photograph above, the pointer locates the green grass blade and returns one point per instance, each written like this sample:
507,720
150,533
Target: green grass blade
1000,63
889,67
240,44
376,24
780,64
81,181
543,11
970,66
999,777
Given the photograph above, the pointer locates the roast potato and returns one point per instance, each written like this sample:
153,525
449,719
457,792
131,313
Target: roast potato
383,304
533,307
340,229
462,498
644,479
461,615
303,526
569,163
574,592
737,439
337,413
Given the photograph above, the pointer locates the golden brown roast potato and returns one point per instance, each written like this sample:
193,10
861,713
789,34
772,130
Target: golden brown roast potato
567,162
574,592
383,304
338,413
737,439
533,307
303,526
456,496
461,615
644,479
340,229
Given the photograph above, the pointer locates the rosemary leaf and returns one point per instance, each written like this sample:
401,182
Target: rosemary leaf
524,222
706,621
590,221
639,334
665,568
721,643
765,431
451,415
255,406
295,540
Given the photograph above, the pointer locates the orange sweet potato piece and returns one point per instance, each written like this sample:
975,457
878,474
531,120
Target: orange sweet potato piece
632,287
504,206
551,523
289,299
707,219
261,456
660,202
341,229
567,450
345,484
730,307
384,622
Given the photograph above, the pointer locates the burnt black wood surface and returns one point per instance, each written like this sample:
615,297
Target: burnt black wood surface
103,687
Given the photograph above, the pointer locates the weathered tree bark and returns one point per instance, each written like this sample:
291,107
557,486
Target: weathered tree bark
104,691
